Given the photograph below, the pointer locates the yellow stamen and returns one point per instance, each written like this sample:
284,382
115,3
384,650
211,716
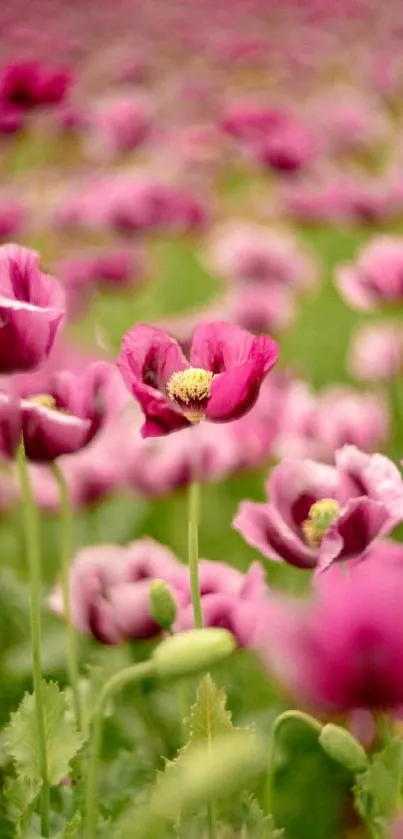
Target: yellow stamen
190,390
44,400
321,515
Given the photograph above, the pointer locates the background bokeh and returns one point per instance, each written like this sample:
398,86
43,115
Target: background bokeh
136,155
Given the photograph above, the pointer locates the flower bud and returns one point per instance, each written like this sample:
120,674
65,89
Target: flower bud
192,651
342,747
162,604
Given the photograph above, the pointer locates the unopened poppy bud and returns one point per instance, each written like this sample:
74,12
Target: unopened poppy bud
192,651
342,747
162,604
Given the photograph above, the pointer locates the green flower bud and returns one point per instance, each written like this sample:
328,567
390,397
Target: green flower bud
342,747
162,604
192,651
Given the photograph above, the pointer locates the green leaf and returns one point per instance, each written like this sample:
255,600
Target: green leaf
71,828
209,717
19,793
62,739
376,791
256,824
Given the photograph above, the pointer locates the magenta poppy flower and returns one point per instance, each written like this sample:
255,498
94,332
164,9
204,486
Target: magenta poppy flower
29,84
220,383
110,589
319,514
31,310
68,416
341,649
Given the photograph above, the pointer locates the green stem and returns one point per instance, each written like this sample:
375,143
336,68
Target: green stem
193,552
211,822
66,548
133,673
283,718
31,528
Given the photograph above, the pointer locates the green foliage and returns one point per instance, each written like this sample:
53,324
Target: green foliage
19,794
62,739
256,824
377,790
209,716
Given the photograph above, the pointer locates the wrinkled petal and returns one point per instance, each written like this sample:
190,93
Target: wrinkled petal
263,528
234,393
160,417
362,521
372,475
26,335
219,346
295,485
150,356
48,434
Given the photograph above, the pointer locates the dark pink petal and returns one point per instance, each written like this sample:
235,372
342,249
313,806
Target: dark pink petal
295,485
233,394
372,475
362,521
160,417
10,425
263,528
101,623
26,335
149,356
219,346
48,434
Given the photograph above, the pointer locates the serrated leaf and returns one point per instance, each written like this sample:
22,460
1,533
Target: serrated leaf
209,717
256,824
377,789
19,793
62,738
71,828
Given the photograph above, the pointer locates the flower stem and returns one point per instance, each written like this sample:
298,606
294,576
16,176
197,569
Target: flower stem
66,542
133,673
193,552
31,528
283,718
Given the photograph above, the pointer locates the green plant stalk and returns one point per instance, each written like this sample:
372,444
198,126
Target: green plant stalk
66,548
283,718
193,552
133,673
31,528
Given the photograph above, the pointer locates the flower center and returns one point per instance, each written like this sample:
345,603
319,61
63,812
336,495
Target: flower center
190,390
44,400
321,515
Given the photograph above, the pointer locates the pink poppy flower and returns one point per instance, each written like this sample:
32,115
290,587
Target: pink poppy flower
253,254
110,589
118,124
220,383
319,514
31,310
342,649
316,425
227,598
61,421
376,352
377,276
